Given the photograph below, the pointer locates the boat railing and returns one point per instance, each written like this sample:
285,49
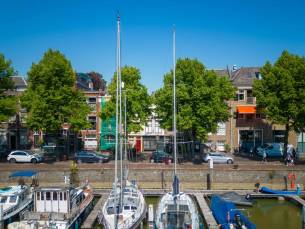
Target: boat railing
15,207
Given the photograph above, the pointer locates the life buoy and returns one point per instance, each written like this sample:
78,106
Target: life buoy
291,176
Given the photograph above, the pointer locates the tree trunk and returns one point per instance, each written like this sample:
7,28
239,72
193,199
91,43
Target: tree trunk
286,138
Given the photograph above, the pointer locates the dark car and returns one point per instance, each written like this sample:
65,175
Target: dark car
160,157
90,157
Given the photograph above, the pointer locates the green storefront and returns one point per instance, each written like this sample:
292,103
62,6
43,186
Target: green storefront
107,138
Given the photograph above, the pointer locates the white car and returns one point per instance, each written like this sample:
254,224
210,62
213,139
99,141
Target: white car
23,156
218,158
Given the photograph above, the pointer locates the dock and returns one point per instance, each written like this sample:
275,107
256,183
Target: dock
297,199
94,213
206,211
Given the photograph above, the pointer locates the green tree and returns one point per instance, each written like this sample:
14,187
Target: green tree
201,99
280,94
52,98
137,102
7,103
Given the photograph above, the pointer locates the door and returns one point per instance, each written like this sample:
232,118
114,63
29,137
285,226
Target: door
13,142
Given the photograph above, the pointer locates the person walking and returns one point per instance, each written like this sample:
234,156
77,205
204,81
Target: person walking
264,156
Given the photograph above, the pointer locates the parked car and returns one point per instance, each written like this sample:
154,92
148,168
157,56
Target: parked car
218,158
160,157
90,157
271,149
24,156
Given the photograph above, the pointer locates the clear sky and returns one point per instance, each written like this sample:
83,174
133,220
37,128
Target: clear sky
218,33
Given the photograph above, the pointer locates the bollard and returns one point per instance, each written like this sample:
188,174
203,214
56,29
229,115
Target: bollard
209,181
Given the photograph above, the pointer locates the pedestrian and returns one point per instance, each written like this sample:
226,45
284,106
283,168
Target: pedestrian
264,156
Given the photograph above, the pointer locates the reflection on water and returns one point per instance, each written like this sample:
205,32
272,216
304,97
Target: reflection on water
274,213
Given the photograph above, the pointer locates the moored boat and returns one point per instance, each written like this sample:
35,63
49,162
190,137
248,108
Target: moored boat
58,208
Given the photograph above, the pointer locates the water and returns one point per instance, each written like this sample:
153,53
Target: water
274,213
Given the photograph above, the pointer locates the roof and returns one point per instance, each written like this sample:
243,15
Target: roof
19,81
23,173
242,77
245,76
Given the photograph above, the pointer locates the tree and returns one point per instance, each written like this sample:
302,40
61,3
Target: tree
280,94
7,103
201,99
137,102
98,82
52,98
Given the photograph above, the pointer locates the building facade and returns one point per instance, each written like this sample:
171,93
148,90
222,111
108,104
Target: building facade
247,125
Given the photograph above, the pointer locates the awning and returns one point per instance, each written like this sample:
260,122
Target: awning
246,109
24,173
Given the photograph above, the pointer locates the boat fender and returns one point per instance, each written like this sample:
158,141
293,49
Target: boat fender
248,196
291,176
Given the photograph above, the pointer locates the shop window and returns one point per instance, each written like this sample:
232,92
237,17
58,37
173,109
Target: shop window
278,135
250,116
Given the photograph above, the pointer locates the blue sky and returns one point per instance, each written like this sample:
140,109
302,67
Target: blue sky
218,33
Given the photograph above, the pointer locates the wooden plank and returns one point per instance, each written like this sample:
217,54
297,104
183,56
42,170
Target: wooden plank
93,214
206,211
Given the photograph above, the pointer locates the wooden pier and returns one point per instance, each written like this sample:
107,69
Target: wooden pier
297,199
94,213
206,211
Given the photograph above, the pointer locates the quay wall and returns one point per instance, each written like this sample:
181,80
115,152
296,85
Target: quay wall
161,178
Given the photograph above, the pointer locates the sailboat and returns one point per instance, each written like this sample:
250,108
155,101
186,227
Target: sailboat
176,210
125,207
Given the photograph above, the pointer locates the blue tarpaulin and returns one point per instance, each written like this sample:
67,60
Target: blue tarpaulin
280,192
225,213
23,173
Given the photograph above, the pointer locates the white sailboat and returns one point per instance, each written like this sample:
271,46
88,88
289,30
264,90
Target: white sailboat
176,210
125,207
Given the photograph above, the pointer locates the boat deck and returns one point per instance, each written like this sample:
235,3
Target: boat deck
93,214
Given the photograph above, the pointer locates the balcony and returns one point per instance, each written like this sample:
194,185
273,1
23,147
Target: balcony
250,100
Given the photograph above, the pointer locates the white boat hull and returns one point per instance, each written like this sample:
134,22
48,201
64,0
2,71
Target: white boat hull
188,214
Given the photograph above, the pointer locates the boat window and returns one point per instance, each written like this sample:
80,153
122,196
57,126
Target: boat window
48,195
171,207
65,196
184,208
135,195
133,208
3,199
38,195
60,196
54,195
110,210
13,199
42,195
126,207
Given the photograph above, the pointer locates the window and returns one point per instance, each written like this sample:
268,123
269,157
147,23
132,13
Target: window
65,196
250,116
42,195
258,116
48,196
278,135
13,199
92,100
92,120
148,128
38,195
3,199
240,116
221,128
240,95
60,195
54,195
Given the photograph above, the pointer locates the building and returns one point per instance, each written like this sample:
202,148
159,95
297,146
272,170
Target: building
94,95
246,125
13,133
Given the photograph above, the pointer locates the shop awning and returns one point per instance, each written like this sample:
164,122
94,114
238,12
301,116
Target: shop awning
246,109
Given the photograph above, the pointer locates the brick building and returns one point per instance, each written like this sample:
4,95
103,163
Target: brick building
246,125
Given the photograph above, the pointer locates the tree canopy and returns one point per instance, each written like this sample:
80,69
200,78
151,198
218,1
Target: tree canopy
52,98
137,102
201,98
7,103
280,94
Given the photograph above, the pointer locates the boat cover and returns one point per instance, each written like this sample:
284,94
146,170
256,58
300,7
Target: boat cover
280,192
225,213
23,173
237,199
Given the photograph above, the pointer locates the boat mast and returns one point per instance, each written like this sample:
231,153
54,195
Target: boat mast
174,107
116,121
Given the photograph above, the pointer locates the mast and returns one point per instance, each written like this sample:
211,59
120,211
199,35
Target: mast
174,107
116,119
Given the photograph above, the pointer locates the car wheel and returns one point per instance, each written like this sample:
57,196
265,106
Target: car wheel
12,160
229,161
34,161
